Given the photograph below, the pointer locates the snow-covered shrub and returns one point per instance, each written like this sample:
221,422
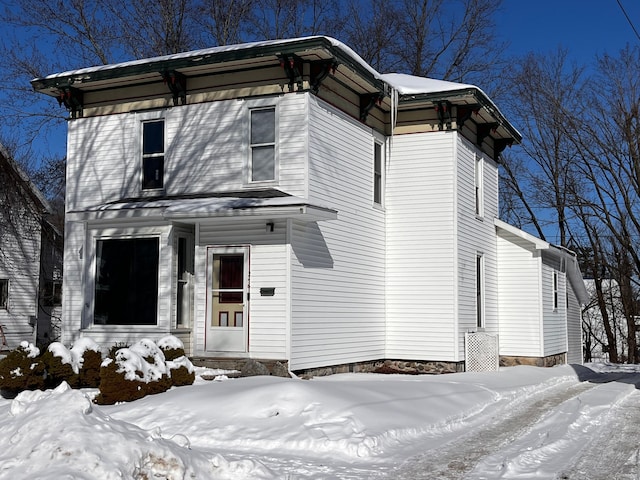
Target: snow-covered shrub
79,366
22,369
135,372
180,367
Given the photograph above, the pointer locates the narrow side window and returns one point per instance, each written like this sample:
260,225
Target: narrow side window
478,186
4,293
153,155
377,173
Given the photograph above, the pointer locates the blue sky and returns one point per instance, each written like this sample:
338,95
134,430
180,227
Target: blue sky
586,28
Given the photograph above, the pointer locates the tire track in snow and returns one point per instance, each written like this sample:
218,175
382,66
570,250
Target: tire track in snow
614,454
455,459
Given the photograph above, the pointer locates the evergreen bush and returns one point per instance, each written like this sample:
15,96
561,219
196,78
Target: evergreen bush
22,369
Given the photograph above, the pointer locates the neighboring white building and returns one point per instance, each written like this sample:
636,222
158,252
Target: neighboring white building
30,261
282,200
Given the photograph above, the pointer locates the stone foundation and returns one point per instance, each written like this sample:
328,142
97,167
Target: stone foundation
408,367
275,367
550,361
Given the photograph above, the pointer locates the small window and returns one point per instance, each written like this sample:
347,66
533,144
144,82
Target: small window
153,155
479,193
377,173
479,291
53,293
555,290
4,293
263,144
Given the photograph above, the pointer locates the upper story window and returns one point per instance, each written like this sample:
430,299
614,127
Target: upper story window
263,145
153,154
377,173
479,188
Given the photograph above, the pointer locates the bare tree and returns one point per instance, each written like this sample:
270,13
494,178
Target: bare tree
545,98
149,28
449,40
225,21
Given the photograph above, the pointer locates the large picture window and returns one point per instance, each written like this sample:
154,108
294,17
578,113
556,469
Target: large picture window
126,287
263,144
153,154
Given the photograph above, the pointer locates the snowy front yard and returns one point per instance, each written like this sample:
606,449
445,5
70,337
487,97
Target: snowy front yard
521,422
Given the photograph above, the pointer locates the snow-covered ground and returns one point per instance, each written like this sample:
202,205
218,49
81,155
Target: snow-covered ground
521,422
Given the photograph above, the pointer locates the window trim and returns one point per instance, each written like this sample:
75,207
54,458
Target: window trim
255,105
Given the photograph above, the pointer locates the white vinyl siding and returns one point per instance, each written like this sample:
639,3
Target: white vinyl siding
519,274
338,266
268,315
555,322
574,329
475,237
206,151
421,248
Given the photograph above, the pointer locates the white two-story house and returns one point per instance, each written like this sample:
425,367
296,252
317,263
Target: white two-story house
282,200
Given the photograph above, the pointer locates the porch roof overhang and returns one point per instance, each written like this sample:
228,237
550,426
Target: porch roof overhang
198,209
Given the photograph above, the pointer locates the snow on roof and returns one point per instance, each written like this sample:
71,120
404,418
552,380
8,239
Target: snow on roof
213,51
410,84
405,84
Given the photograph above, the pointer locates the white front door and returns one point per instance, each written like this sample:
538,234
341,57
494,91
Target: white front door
227,299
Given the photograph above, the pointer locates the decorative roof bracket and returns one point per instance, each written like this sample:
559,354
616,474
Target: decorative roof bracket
319,71
293,69
72,99
177,83
367,102
464,113
443,109
484,129
499,144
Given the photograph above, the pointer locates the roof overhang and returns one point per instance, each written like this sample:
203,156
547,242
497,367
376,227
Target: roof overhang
209,61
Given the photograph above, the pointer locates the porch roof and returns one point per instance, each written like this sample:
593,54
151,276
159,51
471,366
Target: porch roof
268,204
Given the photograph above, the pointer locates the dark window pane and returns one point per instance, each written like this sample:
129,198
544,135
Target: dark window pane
126,282
153,172
153,137
263,126
231,276
4,293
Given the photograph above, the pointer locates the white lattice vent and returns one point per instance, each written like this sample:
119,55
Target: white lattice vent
481,352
